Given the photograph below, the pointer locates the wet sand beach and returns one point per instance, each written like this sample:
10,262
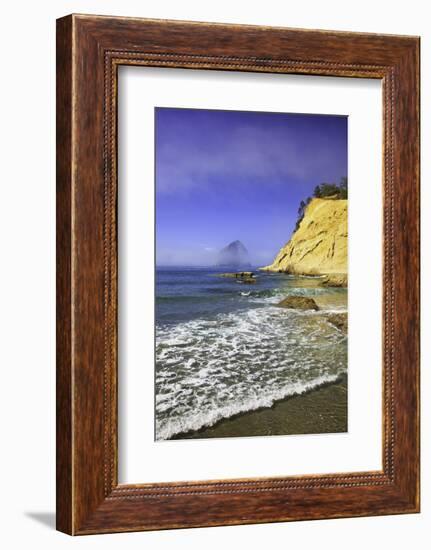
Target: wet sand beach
322,410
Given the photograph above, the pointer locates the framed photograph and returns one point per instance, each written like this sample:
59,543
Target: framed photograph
237,274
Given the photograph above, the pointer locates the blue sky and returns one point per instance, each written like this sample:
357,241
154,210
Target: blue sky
228,175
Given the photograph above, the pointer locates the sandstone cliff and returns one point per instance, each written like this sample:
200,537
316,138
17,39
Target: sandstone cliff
319,246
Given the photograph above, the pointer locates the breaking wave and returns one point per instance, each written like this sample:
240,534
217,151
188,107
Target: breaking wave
213,368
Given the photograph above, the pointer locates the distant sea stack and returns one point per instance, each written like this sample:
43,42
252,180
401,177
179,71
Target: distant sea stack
319,245
234,255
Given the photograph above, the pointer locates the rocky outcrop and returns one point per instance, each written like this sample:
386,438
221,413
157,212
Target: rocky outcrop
298,302
237,274
339,320
241,276
319,245
335,279
234,254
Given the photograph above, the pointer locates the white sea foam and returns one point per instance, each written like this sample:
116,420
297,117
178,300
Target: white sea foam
207,418
209,369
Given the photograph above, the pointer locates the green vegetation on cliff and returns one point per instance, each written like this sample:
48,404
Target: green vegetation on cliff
323,191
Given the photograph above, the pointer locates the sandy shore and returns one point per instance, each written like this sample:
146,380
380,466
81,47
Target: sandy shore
323,410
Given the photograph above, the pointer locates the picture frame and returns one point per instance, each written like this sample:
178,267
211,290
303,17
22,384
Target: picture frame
89,51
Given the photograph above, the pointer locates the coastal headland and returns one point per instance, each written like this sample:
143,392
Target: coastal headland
318,247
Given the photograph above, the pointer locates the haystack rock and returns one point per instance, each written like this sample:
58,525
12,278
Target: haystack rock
235,255
319,245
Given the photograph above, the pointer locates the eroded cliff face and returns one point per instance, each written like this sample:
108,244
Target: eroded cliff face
319,246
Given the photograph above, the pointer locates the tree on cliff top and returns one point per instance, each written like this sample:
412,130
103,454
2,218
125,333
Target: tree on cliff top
331,190
301,211
322,191
343,188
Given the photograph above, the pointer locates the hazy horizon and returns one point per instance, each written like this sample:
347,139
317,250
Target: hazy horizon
223,176
211,261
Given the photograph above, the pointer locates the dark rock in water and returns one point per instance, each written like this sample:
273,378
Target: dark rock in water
339,320
298,302
241,276
238,274
234,254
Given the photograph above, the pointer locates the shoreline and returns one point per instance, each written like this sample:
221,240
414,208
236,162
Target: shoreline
336,279
320,410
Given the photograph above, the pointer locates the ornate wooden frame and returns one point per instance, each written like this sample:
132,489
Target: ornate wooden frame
89,51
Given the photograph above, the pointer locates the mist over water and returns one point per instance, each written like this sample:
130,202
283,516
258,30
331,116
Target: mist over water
207,257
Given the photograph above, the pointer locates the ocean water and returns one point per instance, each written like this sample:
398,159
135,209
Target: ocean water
224,347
